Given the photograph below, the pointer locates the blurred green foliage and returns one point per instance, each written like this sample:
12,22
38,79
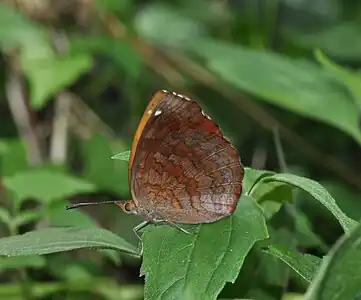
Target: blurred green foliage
75,78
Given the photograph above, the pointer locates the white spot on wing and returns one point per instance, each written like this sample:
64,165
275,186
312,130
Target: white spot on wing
158,112
181,96
204,114
177,95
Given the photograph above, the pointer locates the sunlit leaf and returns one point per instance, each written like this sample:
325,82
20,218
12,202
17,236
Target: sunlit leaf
200,263
53,240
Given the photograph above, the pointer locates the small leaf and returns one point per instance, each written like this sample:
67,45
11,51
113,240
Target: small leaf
122,156
319,193
305,265
339,275
46,185
175,263
49,75
53,240
33,261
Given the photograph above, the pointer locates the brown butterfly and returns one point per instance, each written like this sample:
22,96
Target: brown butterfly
181,168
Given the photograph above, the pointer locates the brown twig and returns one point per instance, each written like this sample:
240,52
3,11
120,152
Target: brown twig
59,137
21,113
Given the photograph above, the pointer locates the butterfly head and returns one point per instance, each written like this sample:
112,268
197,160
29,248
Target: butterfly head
128,207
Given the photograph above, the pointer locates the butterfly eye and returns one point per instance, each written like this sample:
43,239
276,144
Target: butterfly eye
129,207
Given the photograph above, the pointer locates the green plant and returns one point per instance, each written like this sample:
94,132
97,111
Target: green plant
200,264
74,80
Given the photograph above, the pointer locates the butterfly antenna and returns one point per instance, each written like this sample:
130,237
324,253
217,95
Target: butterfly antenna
76,205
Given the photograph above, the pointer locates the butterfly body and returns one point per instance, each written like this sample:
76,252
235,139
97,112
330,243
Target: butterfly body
182,169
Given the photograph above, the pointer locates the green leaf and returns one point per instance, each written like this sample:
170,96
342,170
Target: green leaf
297,85
272,198
270,195
305,265
201,263
16,30
350,78
53,240
252,177
33,261
49,75
122,156
319,193
46,185
339,276
340,41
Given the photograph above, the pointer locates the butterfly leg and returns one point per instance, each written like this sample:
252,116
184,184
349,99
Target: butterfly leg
178,227
136,230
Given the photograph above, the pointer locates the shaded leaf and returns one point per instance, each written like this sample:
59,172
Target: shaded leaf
319,193
201,263
49,75
305,265
53,240
339,276
297,85
46,185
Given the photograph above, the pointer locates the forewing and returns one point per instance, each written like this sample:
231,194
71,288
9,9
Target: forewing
184,170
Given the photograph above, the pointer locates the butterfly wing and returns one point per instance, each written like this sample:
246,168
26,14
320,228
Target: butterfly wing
181,168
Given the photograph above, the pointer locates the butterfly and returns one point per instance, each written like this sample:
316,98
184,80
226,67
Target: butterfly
181,168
